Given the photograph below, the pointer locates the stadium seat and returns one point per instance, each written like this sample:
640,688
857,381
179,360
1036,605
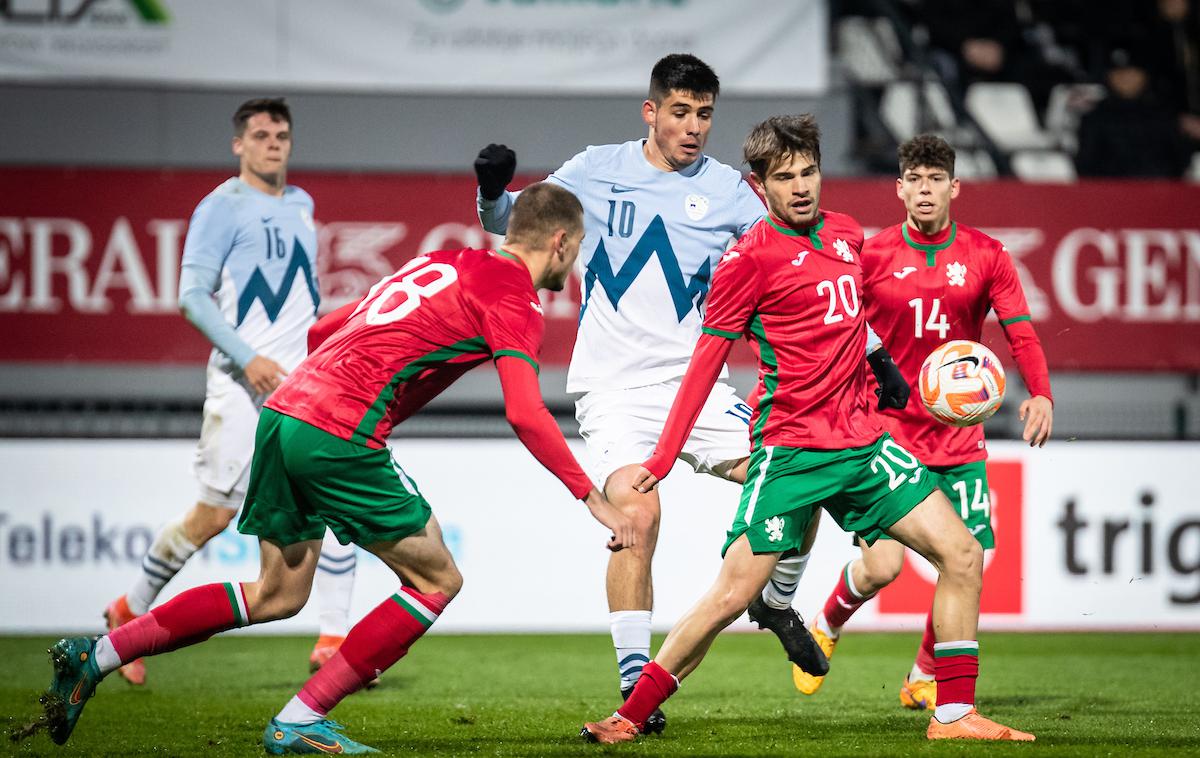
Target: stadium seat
974,164
869,50
1067,104
1043,166
1005,112
902,110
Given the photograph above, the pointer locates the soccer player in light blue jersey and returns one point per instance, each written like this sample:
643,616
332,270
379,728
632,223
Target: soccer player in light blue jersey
658,215
248,282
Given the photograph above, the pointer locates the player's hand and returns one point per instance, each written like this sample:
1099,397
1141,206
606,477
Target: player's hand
606,513
1038,414
263,374
893,390
644,481
494,168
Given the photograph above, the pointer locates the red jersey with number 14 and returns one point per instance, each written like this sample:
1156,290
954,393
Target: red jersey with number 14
391,357
797,296
922,292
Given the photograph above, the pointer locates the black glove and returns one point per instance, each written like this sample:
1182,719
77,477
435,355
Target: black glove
893,390
494,169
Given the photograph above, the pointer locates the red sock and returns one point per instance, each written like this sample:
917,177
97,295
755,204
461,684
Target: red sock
653,688
373,645
189,617
842,603
956,667
925,660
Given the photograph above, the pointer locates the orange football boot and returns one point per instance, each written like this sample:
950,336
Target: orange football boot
974,727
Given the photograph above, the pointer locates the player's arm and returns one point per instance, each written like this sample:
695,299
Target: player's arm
1008,300
209,239
705,367
328,324
538,432
494,169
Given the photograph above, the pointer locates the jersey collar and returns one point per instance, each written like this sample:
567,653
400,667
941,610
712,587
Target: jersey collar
505,254
809,231
929,245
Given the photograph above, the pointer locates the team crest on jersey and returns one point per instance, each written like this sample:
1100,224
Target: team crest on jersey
537,307
730,256
774,527
843,250
956,273
695,206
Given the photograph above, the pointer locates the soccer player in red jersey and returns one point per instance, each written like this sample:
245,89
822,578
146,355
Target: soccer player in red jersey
927,281
321,458
793,286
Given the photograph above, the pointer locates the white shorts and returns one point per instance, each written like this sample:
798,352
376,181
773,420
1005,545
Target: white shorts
622,427
222,463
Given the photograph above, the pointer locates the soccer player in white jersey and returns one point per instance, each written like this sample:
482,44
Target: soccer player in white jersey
658,215
248,282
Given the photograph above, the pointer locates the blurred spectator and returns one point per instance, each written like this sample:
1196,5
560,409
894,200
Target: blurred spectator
1130,133
984,40
1174,52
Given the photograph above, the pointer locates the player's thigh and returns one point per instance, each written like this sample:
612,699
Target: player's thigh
275,507
966,486
226,444
284,580
879,483
935,530
421,560
744,572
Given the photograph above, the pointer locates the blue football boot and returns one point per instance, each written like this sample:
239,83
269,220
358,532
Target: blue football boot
308,739
75,678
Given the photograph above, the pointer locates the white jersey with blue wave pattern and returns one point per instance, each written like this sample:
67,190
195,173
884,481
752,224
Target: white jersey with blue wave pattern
265,248
652,240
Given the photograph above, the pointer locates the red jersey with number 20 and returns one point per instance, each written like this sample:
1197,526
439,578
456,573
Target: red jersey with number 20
411,337
922,292
797,297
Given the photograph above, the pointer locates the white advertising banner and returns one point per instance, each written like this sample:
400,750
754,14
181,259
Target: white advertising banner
462,46
1090,536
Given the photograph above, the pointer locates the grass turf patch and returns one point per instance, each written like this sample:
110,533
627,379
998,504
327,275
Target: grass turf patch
527,695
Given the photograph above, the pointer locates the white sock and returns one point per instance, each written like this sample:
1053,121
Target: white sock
951,712
784,580
631,638
106,656
335,585
823,624
166,556
916,674
296,712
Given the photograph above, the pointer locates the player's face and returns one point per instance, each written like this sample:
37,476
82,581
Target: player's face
678,129
927,193
562,262
791,189
264,148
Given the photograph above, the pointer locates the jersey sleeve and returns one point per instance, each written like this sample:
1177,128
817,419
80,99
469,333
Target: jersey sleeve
513,326
536,428
210,234
735,291
571,175
1008,300
750,208
702,373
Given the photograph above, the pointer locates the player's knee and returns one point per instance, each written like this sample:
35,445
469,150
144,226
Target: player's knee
272,603
450,581
964,562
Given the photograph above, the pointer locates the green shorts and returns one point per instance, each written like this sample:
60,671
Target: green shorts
303,479
966,486
866,490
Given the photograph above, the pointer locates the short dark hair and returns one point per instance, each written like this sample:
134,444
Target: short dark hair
928,150
277,107
542,209
779,137
682,72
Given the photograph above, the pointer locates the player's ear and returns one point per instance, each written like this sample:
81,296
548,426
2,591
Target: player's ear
649,110
237,146
900,188
955,186
756,184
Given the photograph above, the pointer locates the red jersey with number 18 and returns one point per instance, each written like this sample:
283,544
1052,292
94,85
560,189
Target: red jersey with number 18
922,292
391,357
797,297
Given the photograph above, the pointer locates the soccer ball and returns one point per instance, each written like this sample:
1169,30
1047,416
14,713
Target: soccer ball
962,383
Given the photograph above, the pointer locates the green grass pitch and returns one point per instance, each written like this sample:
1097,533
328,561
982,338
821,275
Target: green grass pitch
1081,694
